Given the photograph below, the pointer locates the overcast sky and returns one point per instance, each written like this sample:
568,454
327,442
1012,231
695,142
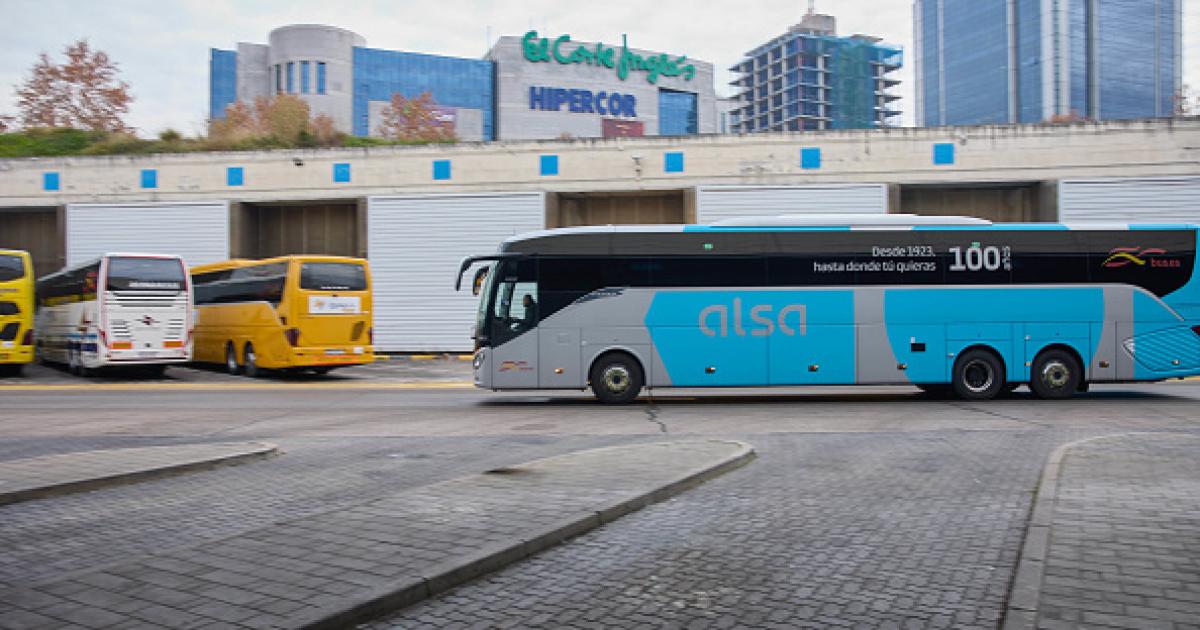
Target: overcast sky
162,46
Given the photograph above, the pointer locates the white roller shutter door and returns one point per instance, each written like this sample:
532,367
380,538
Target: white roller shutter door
1130,200
197,231
716,203
415,244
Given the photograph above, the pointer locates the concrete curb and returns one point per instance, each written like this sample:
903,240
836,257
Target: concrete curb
361,607
1026,588
254,450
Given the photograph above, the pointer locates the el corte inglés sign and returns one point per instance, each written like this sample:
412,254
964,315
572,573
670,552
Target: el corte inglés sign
623,60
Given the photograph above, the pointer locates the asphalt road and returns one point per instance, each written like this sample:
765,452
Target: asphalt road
867,506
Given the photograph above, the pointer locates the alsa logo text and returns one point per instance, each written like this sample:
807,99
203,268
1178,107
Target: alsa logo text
1140,256
791,320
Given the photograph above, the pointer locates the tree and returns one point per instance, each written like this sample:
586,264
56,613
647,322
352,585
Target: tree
83,93
415,119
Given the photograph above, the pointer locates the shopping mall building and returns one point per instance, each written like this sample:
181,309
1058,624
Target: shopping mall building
532,86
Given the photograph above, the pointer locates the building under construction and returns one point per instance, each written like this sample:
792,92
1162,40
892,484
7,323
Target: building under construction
809,78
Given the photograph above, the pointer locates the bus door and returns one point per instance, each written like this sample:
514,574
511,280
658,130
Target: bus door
513,332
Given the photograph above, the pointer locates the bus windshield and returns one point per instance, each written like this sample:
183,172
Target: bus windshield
11,268
485,293
330,276
128,273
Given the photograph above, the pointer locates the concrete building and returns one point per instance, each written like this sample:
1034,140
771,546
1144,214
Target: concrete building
553,87
809,78
334,71
528,87
1038,60
415,211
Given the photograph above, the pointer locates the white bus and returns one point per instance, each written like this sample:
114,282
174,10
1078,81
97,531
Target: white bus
120,309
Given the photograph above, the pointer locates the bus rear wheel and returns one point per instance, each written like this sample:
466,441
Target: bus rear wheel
616,378
250,362
231,362
1056,374
978,375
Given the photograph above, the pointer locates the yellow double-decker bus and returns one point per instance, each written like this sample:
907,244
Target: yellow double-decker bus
16,311
291,313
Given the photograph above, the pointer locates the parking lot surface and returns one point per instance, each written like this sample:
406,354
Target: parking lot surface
874,507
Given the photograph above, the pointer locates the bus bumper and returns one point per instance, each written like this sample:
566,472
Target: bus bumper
16,354
341,355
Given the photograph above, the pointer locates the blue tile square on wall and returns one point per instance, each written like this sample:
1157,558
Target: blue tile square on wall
441,170
149,178
673,162
235,176
341,172
943,153
549,165
810,157
49,181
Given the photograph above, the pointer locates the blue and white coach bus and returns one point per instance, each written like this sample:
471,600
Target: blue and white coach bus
943,303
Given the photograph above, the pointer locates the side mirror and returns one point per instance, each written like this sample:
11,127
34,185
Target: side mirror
477,284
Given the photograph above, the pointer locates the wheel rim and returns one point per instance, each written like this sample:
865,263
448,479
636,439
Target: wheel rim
251,361
1055,374
977,376
616,379
230,360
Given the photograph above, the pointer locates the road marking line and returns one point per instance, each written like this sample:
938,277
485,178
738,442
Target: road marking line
229,386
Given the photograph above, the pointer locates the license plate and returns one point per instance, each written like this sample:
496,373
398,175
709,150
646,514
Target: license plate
147,353
334,353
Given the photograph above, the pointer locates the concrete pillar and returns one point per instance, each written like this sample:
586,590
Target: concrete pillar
1047,201
360,231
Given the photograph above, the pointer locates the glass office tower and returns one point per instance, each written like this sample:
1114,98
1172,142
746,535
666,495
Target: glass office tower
1009,61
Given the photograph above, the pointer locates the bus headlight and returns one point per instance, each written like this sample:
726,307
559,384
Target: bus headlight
478,362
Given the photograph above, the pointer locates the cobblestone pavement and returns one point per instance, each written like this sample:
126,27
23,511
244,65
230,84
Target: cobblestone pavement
29,478
866,507
45,538
822,531
1124,548
325,569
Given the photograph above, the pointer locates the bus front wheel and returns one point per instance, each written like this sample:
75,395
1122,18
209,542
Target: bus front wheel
250,362
978,375
616,378
1056,374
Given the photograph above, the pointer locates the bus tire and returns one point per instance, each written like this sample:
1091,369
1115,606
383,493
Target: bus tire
74,361
616,378
250,362
1056,374
231,362
978,375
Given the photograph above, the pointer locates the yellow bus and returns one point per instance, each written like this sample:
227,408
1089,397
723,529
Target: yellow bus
16,311
293,313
